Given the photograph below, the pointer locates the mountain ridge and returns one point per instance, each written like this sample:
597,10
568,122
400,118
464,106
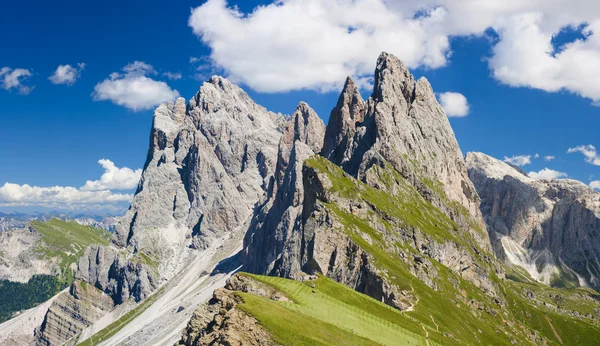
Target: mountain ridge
378,202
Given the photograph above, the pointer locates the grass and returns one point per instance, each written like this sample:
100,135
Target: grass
463,314
320,316
395,198
67,240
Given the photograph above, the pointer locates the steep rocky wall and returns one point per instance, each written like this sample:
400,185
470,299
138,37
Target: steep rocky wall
71,312
108,270
209,163
548,227
272,244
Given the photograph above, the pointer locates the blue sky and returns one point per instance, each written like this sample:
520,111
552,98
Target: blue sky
55,134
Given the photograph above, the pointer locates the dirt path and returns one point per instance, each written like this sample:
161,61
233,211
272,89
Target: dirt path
436,325
426,335
554,330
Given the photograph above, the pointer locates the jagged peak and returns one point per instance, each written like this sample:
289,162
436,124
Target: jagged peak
392,77
349,110
349,95
305,126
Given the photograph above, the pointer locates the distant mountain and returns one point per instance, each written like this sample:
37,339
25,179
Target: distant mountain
20,220
550,228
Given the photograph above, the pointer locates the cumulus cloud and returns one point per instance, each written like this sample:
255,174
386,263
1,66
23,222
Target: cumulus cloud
547,174
13,79
299,44
315,44
520,160
549,158
133,88
455,104
93,195
595,184
67,74
172,75
114,178
589,151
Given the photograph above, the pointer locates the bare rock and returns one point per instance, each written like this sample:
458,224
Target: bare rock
549,228
72,312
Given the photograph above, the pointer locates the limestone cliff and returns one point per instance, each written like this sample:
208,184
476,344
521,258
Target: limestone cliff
548,227
73,311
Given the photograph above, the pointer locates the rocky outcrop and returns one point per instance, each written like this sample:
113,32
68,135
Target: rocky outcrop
72,312
273,241
120,278
343,121
221,323
548,227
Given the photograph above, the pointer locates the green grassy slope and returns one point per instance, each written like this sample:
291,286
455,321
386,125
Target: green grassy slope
456,312
67,240
329,314
64,241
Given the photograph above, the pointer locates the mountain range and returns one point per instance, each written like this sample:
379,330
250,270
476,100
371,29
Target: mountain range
255,228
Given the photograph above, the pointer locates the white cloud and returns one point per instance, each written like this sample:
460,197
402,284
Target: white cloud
300,44
134,89
595,184
67,74
455,104
93,195
172,75
26,195
521,160
547,174
589,151
13,79
549,158
114,178
315,44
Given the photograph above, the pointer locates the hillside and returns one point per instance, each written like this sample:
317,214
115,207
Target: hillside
319,311
55,246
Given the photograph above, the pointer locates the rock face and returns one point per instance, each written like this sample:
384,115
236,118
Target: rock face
71,312
19,258
209,163
273,241
105,269
403,124
548,227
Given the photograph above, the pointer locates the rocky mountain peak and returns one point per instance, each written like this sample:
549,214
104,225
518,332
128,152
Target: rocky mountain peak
392,78
307,127
349,111
403,125
209,163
